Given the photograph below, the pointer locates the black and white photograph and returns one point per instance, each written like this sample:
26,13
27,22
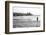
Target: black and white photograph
25,17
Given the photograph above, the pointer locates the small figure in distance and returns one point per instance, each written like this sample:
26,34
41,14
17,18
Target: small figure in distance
37,19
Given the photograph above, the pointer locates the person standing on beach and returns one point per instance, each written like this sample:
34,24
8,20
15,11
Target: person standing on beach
37,19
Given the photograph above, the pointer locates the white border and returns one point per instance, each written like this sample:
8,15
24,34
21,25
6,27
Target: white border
11,29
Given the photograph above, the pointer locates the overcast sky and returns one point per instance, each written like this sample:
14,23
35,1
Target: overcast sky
22,8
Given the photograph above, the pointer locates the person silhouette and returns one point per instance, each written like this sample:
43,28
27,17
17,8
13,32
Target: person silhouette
37,19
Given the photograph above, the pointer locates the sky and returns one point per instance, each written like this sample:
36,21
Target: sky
25,8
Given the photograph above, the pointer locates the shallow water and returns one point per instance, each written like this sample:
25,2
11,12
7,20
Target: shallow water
26,21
